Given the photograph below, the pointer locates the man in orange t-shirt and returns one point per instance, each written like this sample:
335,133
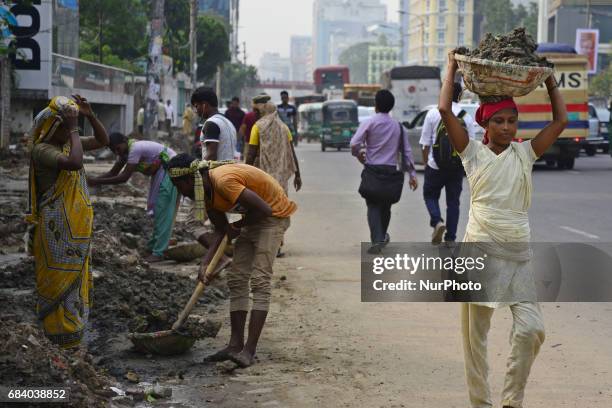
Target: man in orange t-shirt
221,187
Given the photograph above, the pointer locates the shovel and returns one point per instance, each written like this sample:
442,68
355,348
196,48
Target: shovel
172,342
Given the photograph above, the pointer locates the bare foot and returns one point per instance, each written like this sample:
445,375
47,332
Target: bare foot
243,359
222,355
154,258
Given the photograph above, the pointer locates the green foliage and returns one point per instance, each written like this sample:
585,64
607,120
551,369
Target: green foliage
236,77
213,46
601,84
501,16
113,32
176,36
356,57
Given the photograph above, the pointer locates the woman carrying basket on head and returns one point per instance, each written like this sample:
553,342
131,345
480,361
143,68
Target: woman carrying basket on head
499,175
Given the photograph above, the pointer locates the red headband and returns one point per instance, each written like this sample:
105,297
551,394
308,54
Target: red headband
486,110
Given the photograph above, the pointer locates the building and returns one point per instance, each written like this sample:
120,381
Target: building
301,58
566,16
338,24
380,59
273,67
42,70
435,27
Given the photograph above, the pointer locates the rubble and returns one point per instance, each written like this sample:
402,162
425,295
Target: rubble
28,359
516,47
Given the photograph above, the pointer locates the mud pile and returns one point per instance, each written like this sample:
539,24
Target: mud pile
516,47
12,224
141,299
18,276
27,358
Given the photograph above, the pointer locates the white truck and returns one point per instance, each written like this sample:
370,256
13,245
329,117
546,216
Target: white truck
414,88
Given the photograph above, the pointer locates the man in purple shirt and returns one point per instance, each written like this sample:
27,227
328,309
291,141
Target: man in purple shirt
380,136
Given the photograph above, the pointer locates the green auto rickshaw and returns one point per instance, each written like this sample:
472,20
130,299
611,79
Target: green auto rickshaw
310,118
340,122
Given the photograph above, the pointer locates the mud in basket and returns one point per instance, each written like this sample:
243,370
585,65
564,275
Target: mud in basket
491,78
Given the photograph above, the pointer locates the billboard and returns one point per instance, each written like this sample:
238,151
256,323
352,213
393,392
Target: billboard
587,43
218,7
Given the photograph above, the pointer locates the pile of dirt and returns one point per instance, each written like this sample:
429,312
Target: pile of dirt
516,47
144,300
121,233
28,359
19,275
12,224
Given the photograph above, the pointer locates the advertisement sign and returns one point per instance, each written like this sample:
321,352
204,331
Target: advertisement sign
587,43
32,59
218,7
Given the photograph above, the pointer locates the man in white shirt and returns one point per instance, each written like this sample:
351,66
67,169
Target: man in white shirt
443,173
169,116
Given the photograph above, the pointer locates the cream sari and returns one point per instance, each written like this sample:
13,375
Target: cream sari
498,222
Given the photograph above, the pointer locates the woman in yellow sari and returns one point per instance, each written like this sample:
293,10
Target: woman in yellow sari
61,216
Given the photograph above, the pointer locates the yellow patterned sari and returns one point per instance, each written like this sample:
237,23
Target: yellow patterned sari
62,218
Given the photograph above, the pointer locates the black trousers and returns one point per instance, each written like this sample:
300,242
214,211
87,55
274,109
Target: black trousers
379,216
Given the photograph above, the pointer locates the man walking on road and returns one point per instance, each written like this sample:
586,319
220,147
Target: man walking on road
382,138
236,115
288,114
443,170
169,116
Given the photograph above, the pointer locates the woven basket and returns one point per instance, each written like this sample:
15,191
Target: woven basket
489,78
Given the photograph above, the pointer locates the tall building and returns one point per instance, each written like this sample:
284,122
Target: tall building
338,24
380,59
273,67
301,58
435,27
566,16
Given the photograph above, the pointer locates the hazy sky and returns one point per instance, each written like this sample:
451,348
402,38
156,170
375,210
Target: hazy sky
267,25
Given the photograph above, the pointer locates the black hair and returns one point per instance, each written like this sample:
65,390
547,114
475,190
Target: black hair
235,99
284,93
457,89
181,160
384,101
205,94
116,138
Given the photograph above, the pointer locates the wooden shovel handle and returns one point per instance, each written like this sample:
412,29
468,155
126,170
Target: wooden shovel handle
201,286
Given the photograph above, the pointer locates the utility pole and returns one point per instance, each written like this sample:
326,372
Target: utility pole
244,52
193,45
543,21
154,67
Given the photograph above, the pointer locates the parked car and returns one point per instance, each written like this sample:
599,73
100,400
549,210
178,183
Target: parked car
414,128
595,140
603,114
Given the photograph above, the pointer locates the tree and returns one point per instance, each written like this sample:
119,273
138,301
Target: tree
502,17
176,37
237,77
356,58
601,84
213,46
113,30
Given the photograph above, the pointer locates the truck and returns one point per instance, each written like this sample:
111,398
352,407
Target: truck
535,111
414,87
363,94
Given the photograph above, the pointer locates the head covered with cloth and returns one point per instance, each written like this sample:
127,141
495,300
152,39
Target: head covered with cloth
273,139
186,175
500,120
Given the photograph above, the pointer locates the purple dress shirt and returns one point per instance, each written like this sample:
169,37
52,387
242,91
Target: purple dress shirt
380,134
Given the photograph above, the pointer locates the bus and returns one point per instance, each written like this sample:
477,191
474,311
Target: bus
414,88
331,78
363,94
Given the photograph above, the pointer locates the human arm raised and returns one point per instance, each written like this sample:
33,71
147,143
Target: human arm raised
551,132
456,132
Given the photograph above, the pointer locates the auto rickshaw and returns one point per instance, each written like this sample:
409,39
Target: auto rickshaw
310,118
340,122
